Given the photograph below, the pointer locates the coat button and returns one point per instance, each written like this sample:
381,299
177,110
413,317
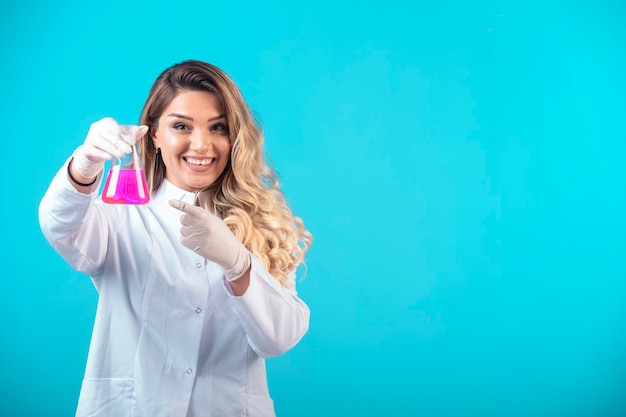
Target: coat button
188,371
198,310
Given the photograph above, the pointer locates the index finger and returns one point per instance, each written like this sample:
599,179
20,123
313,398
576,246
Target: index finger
179,205
186,208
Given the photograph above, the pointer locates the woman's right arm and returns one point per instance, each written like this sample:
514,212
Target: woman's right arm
68,218
72,224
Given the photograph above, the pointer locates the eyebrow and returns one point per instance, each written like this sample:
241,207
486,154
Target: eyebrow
182,116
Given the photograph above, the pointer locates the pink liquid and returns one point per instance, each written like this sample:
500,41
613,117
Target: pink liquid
131,187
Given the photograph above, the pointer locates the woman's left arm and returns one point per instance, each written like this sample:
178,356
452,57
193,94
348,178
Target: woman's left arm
273,317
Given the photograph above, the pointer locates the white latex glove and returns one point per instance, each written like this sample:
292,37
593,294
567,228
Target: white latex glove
208,236
106,139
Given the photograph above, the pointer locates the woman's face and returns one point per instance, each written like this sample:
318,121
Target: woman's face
192,134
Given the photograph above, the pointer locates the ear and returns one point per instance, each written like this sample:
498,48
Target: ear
155,140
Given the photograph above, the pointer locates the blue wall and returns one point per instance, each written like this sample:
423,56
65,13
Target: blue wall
462,166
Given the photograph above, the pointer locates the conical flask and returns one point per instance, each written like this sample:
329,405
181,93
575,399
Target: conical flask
126,181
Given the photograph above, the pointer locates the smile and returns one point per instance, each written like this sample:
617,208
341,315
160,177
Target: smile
199,162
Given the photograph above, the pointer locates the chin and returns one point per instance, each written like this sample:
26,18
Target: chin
197,186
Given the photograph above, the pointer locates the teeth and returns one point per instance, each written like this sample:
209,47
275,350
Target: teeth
199,161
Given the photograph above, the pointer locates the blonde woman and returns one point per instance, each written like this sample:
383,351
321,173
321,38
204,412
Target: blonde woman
197,287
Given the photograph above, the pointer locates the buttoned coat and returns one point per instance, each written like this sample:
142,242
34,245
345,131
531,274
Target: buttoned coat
169,337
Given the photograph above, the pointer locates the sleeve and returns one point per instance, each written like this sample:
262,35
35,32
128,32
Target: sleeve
71,223
273,317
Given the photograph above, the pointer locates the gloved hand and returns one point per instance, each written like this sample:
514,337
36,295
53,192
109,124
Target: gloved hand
105,139
208,236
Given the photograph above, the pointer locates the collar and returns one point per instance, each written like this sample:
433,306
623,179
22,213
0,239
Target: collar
169,191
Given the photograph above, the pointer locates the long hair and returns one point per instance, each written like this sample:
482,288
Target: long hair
247,194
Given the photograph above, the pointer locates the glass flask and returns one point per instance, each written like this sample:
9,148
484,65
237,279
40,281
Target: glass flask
126,181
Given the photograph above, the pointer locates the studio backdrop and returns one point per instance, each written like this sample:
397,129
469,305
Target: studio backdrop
461,166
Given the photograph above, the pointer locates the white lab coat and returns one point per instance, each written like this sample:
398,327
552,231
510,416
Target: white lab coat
169,338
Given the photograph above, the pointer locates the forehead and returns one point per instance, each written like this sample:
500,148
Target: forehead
201,104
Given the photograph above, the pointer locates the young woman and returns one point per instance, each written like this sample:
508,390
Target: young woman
197,287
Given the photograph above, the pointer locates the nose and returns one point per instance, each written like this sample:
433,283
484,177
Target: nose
201,141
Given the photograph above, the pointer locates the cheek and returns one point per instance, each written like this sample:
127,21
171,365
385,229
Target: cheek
171,144
224,148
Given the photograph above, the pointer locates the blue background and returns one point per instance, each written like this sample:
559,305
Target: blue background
461,165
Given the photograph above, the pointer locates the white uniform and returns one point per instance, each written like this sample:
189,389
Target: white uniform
169,338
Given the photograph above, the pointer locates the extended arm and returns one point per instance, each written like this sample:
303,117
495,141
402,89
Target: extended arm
68,219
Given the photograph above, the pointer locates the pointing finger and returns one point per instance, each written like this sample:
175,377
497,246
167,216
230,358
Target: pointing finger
177,204
186,208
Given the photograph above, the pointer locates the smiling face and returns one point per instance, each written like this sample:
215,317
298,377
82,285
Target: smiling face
192,135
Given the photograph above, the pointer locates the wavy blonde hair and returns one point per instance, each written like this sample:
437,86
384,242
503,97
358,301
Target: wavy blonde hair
247,194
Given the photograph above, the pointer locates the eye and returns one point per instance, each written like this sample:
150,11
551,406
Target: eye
219,128
181,126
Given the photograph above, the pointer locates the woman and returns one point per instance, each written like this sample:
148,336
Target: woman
197,287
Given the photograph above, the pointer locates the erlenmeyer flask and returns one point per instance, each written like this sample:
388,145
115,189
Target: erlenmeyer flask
126,181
